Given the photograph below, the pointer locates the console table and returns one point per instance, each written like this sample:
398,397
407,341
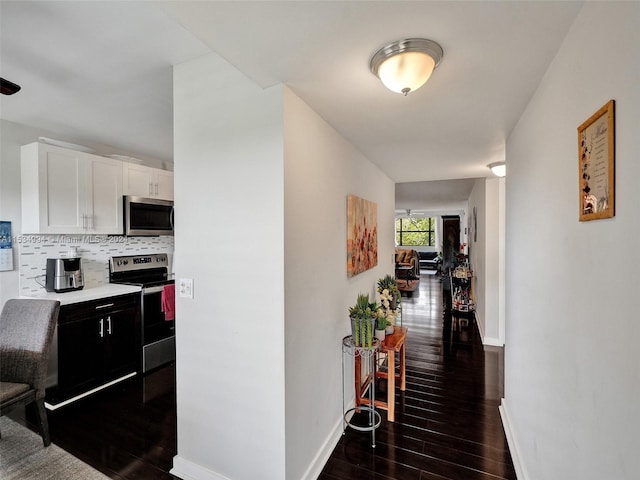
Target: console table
392,344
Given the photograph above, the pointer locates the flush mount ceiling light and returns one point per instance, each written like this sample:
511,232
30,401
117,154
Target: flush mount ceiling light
405,65
499,169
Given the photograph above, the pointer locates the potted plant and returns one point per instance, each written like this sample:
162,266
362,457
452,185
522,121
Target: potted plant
363,315
381,324
390,300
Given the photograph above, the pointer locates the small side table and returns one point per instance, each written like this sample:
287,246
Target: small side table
369,354
392,344
404,273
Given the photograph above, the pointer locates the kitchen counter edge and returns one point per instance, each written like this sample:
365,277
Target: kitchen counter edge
87,294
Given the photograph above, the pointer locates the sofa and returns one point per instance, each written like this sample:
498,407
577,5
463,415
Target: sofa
407,269
429,260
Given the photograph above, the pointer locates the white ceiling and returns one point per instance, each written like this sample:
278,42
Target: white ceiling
101,71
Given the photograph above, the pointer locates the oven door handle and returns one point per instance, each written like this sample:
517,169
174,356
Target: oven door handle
149,290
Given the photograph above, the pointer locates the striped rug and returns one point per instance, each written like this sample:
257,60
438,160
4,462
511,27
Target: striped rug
23,457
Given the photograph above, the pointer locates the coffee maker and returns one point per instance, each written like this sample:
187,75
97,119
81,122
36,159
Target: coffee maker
64,275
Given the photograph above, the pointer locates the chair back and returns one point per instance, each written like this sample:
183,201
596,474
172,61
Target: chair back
26,332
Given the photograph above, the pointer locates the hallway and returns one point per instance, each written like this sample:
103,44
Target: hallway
447,421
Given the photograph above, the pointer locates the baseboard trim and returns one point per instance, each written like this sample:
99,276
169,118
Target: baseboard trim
188,470
489,341
512,441
322,457
492,342
191,471
55,406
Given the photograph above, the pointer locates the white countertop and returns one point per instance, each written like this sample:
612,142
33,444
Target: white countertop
86,294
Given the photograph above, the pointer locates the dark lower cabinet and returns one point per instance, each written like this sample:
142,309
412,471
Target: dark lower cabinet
97,342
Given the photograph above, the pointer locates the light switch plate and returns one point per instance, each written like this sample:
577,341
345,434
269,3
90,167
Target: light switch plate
186,287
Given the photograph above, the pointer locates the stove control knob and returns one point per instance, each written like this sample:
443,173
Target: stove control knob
125,262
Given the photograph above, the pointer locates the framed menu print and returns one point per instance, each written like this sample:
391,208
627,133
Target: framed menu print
596,139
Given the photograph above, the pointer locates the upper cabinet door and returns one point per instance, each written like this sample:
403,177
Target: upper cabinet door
164,184
143,181
105,199
65,191
137,180
52,196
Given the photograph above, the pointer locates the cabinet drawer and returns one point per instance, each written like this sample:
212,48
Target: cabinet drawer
76,311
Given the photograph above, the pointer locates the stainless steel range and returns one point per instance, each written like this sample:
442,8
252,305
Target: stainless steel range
151,273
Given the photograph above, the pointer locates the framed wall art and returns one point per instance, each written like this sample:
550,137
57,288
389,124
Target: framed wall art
362,235
596,163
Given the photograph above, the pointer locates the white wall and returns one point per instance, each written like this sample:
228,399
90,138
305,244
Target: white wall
321,169
572,375
261,184
477,250
486,255
12,136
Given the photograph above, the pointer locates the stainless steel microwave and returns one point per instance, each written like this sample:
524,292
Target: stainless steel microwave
147,216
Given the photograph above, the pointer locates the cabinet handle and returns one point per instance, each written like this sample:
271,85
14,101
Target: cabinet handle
150,188
83,221
101,332
109,325
98,307
156,189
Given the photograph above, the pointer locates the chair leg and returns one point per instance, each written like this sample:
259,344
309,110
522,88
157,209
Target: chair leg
43,421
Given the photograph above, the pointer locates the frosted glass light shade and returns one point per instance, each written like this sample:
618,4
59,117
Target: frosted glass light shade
406,71
405,65
499,169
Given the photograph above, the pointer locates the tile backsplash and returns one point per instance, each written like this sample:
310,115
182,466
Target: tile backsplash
95,251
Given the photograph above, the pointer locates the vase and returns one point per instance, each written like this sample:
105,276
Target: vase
393,303
362,330
389,330
380,334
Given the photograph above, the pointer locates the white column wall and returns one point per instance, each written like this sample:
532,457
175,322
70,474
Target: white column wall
492,248
261,186
572,375
229,178
321,169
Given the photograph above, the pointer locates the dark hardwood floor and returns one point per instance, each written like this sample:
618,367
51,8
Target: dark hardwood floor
127,431
447,421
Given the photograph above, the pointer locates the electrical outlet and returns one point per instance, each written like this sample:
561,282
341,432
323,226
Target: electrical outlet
186,287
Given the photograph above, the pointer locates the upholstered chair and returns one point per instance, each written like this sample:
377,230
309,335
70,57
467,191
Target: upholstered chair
26,332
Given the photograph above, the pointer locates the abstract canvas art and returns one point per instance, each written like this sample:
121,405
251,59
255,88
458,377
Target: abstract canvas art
362,235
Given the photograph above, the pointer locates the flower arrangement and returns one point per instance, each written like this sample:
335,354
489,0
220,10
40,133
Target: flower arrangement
389,298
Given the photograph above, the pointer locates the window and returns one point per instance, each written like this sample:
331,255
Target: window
416,231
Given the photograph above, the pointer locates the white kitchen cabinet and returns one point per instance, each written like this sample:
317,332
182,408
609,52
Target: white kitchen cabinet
143,181
69,192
